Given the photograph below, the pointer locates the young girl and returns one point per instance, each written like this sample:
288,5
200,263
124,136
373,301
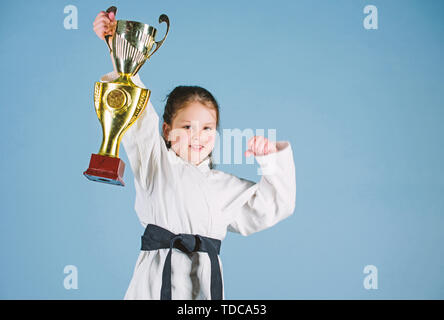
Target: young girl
186,205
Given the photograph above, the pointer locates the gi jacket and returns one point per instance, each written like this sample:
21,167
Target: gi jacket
194,199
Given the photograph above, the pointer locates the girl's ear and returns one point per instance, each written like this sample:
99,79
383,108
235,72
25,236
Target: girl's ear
165,130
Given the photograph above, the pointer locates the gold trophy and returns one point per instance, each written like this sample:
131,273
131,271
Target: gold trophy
119,103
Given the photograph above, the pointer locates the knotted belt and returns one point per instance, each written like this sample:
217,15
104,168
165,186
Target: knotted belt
155,238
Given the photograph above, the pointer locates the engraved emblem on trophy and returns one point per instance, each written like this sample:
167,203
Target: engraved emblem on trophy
119,103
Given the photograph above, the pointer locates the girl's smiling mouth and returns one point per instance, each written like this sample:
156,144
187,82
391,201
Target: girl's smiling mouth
196,147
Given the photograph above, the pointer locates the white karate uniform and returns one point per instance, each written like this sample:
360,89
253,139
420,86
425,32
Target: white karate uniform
184,198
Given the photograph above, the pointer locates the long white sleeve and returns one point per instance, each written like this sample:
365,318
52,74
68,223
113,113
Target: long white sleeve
261,205
142,140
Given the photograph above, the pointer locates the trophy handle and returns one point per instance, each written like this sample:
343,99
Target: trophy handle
162,18
114,10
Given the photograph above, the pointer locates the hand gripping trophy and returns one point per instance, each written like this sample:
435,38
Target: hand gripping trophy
119,103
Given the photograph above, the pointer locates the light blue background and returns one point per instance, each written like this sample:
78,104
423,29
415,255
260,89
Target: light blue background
362,109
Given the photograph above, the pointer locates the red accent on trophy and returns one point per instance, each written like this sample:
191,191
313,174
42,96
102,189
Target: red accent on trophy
106,169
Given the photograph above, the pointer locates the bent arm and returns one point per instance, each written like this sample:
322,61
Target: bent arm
263,204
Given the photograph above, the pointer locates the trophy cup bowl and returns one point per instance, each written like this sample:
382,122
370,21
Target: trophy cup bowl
120,102
132,44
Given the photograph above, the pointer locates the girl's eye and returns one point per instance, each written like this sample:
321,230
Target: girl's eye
188,127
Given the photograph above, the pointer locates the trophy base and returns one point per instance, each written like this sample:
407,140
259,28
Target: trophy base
105,169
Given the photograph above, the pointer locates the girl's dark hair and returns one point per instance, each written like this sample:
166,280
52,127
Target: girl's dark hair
179,99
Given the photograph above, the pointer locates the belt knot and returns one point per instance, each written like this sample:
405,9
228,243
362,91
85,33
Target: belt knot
186,243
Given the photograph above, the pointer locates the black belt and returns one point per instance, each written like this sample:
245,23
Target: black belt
155,238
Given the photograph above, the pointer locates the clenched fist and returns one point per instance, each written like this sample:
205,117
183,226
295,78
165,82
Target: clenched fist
103,24
260,146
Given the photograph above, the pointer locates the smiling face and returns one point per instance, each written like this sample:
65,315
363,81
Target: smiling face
192,132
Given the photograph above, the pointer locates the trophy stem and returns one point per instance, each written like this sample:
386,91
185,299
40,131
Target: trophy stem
125,78
110,146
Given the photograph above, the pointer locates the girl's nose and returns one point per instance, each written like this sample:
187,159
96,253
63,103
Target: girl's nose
195,140
195,135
